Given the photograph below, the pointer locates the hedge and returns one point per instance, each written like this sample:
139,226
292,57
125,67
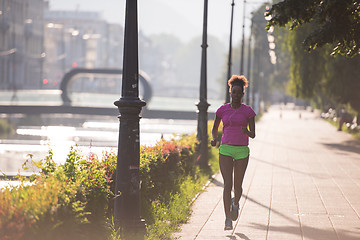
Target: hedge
74,200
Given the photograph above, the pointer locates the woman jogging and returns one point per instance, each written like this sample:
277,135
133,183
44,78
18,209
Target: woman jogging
238,125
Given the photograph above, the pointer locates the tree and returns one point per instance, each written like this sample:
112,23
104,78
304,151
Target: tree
306,69
337,22
261,66
317,76
341,80
188,62
157,60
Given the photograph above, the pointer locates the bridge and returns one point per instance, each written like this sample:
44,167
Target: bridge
34,102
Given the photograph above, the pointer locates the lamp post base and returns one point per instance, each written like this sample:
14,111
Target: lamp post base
133,230
127,204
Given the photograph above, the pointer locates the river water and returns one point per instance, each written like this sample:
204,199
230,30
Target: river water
90,133
93,136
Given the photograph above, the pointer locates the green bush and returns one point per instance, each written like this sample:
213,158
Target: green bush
169,176
40,211
163,165
75,200
71,201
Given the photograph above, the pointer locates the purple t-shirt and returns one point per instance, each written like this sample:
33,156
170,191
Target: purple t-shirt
233,120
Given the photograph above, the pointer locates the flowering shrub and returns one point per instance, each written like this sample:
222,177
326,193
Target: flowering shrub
62,201
163,164
27,210
162,169
75,200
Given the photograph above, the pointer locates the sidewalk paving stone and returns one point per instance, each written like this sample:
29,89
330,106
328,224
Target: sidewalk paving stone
302,182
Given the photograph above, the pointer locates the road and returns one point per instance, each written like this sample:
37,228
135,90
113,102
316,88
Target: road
302,182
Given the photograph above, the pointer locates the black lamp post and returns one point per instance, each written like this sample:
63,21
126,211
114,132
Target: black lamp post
249,67
203,105
227,99
127,186
242,42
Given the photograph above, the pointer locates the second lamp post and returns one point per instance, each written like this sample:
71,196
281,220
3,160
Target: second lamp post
202,132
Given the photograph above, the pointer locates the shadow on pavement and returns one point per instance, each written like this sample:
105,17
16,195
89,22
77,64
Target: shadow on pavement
267,207
312,233
231,237
242,236
217,183
278,145
351,146
289,169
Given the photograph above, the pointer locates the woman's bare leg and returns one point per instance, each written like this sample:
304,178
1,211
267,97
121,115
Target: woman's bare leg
240,166
226,167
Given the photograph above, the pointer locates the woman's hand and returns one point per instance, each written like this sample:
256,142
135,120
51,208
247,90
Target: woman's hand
251,132
214,131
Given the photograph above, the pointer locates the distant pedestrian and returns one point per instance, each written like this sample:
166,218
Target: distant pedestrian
344,117
238,125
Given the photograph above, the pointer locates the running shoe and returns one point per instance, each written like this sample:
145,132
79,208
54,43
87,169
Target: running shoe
234,211
228,224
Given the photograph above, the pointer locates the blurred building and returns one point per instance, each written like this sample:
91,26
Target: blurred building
38,46
21,43
79,39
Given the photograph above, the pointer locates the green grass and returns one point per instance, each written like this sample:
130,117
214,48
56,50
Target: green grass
170,215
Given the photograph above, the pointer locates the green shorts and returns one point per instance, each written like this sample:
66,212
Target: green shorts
236,152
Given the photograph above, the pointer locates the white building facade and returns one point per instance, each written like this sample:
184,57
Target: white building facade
21,43
38,46
79,39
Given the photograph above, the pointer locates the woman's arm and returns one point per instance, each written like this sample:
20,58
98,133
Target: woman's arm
251,131
214,131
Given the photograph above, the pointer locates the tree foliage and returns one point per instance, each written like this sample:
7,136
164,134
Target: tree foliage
320,77
341,80
337,22
261,64
306,68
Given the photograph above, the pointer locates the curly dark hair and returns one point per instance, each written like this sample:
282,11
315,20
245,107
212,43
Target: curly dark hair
238,80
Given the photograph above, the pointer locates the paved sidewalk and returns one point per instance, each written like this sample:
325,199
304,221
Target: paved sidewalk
302,182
